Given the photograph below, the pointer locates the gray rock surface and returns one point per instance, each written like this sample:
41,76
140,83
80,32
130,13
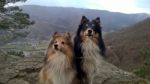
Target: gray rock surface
24,71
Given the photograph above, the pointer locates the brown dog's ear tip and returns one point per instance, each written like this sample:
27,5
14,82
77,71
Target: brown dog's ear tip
67,34
55,33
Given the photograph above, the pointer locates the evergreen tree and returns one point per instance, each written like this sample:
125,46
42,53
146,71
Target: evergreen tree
12,21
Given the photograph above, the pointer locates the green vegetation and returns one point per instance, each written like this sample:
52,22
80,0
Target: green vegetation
12,22
15,53
6,38
145,70
5,23
22,19
18,20
4,2
22,47
10,55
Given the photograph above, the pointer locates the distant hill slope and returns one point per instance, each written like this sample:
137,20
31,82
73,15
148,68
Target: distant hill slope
50,19
127,48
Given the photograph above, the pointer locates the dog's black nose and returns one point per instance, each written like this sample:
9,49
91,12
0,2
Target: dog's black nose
89,31
56,46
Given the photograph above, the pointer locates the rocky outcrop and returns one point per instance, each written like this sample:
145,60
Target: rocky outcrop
25,71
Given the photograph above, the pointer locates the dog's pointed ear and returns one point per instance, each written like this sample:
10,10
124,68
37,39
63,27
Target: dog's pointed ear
67,35
97,20
55,34
83,20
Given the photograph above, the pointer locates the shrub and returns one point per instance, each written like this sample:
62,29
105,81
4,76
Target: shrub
5,24
145,70
16,53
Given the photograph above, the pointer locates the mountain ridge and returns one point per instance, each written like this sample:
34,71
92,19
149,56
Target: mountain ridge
83,9
50,19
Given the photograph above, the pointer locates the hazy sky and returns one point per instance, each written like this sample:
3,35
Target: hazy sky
125,6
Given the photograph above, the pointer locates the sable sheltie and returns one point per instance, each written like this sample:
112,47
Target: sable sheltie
89,48
58,67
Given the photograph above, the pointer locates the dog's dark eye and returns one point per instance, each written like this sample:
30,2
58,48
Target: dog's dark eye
62,42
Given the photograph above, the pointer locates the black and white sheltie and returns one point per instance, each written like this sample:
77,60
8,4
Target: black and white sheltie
88,48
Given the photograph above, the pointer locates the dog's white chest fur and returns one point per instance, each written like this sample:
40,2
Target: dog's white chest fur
59,70
91,56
